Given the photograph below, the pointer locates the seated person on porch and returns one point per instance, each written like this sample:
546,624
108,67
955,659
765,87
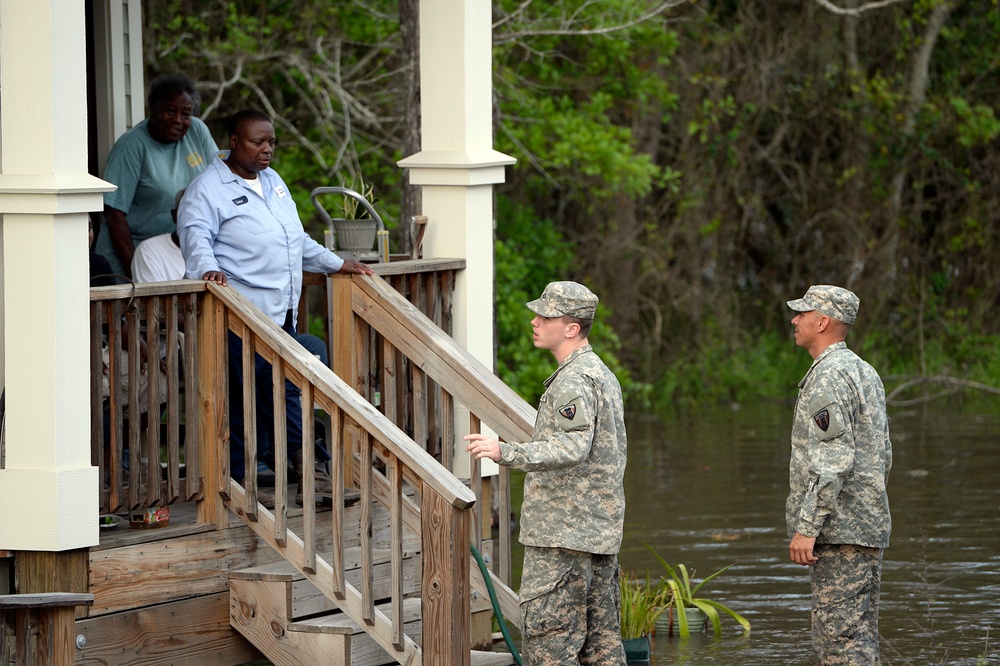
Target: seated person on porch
239,226
149,163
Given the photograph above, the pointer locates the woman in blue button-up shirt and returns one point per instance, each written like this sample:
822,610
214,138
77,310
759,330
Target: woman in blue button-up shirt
238,225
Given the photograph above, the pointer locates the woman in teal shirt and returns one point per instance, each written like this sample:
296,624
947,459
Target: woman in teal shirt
150,163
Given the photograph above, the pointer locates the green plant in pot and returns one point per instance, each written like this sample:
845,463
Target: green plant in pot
352,208
356,230
682,593
641,605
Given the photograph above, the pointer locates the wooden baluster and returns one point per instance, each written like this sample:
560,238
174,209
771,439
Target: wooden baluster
419,406
151,450
173,399
396,547
280,448
135,494
502,558
308,479
336,442
367,556
250,420
192,433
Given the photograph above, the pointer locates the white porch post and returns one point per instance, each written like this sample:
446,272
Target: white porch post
48,488
457,166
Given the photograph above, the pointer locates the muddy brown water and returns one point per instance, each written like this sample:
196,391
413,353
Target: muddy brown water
707,489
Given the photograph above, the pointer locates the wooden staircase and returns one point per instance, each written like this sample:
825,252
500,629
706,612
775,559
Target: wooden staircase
286,617
393,412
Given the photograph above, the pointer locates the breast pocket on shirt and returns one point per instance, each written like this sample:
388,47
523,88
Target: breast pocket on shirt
254,225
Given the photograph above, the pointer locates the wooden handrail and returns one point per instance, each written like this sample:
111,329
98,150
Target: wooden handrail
443,359
279,344
435,354
444,500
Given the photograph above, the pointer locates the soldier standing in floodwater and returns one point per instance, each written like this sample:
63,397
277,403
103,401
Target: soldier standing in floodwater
837,511
574,498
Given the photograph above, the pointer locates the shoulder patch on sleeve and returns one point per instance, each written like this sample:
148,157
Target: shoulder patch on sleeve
571,410
826,416
568,411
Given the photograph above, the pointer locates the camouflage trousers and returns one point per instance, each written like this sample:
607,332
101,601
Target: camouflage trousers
846,582
570,605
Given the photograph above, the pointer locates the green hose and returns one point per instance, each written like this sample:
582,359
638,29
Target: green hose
496,606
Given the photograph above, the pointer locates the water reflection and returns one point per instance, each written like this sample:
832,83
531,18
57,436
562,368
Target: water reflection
707,489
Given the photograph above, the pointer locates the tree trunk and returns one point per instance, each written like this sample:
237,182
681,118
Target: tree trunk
409,28
916,95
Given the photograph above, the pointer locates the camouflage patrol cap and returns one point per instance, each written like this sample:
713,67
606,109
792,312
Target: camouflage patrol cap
836,302
562,299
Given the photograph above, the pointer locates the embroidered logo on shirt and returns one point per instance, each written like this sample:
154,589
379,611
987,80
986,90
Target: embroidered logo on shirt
280,191
568,412
194,159
822,420
239,201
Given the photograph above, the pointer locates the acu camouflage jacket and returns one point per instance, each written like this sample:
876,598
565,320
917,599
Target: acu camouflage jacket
841,453
574,496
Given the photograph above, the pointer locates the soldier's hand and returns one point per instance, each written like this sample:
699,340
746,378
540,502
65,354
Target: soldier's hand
481,446
801,550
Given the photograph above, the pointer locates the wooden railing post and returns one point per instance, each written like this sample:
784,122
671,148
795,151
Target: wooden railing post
210,416
344,362
445,592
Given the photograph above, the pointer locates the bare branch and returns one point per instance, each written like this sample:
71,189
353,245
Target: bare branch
223,84
953,384
857,11
567,26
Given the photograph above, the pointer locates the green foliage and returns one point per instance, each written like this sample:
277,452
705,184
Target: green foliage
641,605
977,124
679,586
765,367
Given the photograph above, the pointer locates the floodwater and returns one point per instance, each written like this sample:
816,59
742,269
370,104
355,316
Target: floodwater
707,490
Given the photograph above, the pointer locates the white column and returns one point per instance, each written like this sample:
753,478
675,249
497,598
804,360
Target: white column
457,166
48,488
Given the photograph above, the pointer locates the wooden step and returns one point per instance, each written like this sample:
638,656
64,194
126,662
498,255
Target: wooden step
306,600
366,652
359,649
338,623
275,606
492,658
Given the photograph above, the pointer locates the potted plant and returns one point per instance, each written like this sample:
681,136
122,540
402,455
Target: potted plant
356,223
641,605
682,597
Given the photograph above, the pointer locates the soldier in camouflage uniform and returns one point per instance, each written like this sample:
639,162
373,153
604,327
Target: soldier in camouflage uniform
574,498
837,511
